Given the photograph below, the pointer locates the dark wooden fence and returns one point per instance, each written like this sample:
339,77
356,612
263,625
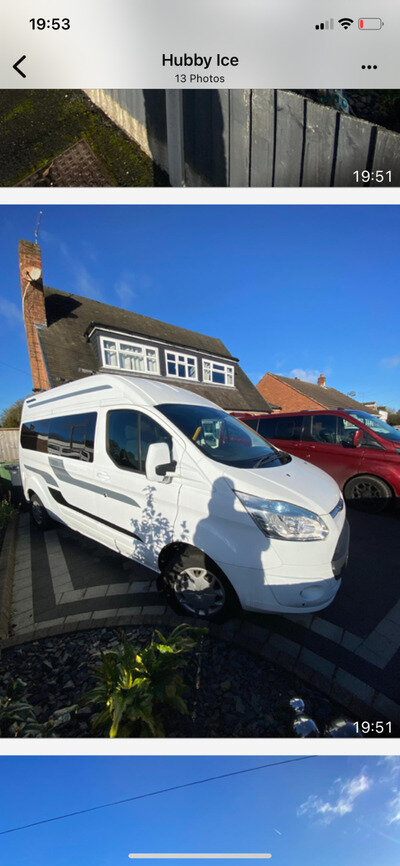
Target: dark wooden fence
262,138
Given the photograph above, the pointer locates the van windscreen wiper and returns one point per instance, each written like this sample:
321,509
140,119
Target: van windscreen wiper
265,459
268,458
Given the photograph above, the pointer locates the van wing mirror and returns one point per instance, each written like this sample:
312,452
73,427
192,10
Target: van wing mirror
358,439
158,461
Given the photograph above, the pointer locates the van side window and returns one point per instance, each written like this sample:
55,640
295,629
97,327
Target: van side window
288,428
73,436
82,436
129,435
34,436
123,438
151,432
322,428
251,422
267,427
345,432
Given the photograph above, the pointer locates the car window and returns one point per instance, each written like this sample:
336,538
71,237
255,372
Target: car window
151,432
221,436
267,427
288,427
123,439
322,428
129,435
345,432
73,436
251,422
34,435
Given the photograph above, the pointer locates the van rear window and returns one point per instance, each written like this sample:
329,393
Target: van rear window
66,436
34,435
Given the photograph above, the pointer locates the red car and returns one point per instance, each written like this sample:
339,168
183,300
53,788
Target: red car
359,450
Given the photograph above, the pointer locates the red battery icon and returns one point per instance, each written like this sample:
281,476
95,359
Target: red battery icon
370,23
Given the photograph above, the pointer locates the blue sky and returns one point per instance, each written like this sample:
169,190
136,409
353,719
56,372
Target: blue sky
296,290
328,811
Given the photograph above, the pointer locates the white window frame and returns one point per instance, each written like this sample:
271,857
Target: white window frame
126,342
176,355
227,368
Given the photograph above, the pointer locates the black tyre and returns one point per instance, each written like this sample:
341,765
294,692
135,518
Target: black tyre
195,586
40,516
368,493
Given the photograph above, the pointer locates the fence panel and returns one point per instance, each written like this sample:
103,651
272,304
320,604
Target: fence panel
319,145
8,445
352,149
387,157
262,138
289,138
239,133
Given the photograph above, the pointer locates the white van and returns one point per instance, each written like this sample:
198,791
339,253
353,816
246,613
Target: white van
169,479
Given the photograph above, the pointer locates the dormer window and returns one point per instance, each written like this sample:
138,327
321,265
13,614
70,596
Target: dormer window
218,374
133,357
181,366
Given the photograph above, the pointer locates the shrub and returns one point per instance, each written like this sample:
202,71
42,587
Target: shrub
18,717
134,685
11,417
7,512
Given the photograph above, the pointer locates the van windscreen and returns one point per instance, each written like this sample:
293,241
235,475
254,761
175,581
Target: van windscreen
223,437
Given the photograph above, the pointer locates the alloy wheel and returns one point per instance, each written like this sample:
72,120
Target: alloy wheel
199,591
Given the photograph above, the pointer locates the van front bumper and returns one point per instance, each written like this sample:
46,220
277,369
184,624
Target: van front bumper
341,555
294,589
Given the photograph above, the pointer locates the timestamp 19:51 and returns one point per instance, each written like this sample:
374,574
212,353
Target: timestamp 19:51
373,727
375,176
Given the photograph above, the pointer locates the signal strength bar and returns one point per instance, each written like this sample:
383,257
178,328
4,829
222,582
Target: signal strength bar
326,25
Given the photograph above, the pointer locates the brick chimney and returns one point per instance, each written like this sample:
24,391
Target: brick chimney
34,310
322,381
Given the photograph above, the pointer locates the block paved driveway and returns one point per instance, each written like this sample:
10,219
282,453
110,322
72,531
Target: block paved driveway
62,579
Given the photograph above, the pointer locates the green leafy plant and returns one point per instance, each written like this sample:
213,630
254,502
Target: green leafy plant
7,512
18,717
134,685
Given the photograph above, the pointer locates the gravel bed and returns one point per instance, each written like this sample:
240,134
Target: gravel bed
230,692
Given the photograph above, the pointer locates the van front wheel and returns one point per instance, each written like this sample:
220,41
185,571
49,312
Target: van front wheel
39,514
195,585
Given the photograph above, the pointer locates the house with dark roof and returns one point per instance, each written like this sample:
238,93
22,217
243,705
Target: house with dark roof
294,395
70,337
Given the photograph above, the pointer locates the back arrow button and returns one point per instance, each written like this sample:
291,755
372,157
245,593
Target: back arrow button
16,66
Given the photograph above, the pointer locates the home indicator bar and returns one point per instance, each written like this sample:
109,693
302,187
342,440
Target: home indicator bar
200,856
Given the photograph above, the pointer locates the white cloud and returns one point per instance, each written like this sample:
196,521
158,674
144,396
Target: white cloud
341,802
84,283
391,363
305,375
391,762
125,292
394,809
11,312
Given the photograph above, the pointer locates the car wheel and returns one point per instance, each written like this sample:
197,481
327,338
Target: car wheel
368,493
40,516
195,586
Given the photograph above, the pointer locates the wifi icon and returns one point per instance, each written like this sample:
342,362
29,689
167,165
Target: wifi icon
346,22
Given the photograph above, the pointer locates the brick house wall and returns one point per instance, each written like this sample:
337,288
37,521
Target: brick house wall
284,396
34,311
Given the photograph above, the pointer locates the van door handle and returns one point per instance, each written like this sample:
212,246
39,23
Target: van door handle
104,476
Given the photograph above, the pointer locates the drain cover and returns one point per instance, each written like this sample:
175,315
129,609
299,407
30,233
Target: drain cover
76,166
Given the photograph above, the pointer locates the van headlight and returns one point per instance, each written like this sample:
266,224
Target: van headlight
283,520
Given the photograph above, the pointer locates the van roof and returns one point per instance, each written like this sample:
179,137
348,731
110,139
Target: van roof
146,392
